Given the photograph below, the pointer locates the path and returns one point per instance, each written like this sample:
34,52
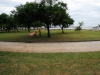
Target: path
50,47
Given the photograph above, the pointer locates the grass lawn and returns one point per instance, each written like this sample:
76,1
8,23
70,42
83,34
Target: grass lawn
56,36
50,63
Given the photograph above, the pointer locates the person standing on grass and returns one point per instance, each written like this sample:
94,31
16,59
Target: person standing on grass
39,32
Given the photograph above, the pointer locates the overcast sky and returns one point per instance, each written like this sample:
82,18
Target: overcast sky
87,11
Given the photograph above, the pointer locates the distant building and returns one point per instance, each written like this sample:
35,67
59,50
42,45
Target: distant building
97,27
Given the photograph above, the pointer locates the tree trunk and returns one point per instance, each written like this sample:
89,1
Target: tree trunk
28,29
8,28
62,29
48,31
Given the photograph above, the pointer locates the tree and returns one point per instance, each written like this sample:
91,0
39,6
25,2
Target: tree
78,28
61,17
15,19
27,14
46,12
54,13
11,23
3,21
37,24
67,22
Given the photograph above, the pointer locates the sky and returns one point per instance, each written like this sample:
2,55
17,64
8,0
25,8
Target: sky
87,11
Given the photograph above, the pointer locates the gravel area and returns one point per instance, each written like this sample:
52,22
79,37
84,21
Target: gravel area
50,47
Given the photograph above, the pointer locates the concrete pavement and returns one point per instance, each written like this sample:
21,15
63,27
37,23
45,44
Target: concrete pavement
50,47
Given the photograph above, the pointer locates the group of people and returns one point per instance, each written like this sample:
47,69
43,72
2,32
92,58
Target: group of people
34,33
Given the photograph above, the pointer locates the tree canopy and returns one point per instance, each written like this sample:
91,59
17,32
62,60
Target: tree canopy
45,13
78,28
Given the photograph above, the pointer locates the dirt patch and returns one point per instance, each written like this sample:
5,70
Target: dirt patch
50,47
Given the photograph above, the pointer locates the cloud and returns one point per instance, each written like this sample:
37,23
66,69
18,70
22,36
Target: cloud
7,6
6,9
87,11
22,1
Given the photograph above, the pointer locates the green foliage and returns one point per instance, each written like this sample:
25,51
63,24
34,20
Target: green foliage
78,28
27,14
3,20
7,22
45,13
49,63
60,16
37,24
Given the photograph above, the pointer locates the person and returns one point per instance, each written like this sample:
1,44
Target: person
39,32
33,34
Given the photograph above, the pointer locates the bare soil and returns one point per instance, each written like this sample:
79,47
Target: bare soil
50,47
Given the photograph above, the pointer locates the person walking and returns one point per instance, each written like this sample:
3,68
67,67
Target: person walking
39,32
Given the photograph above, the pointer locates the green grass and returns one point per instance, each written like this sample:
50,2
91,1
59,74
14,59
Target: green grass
50,63
56,36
